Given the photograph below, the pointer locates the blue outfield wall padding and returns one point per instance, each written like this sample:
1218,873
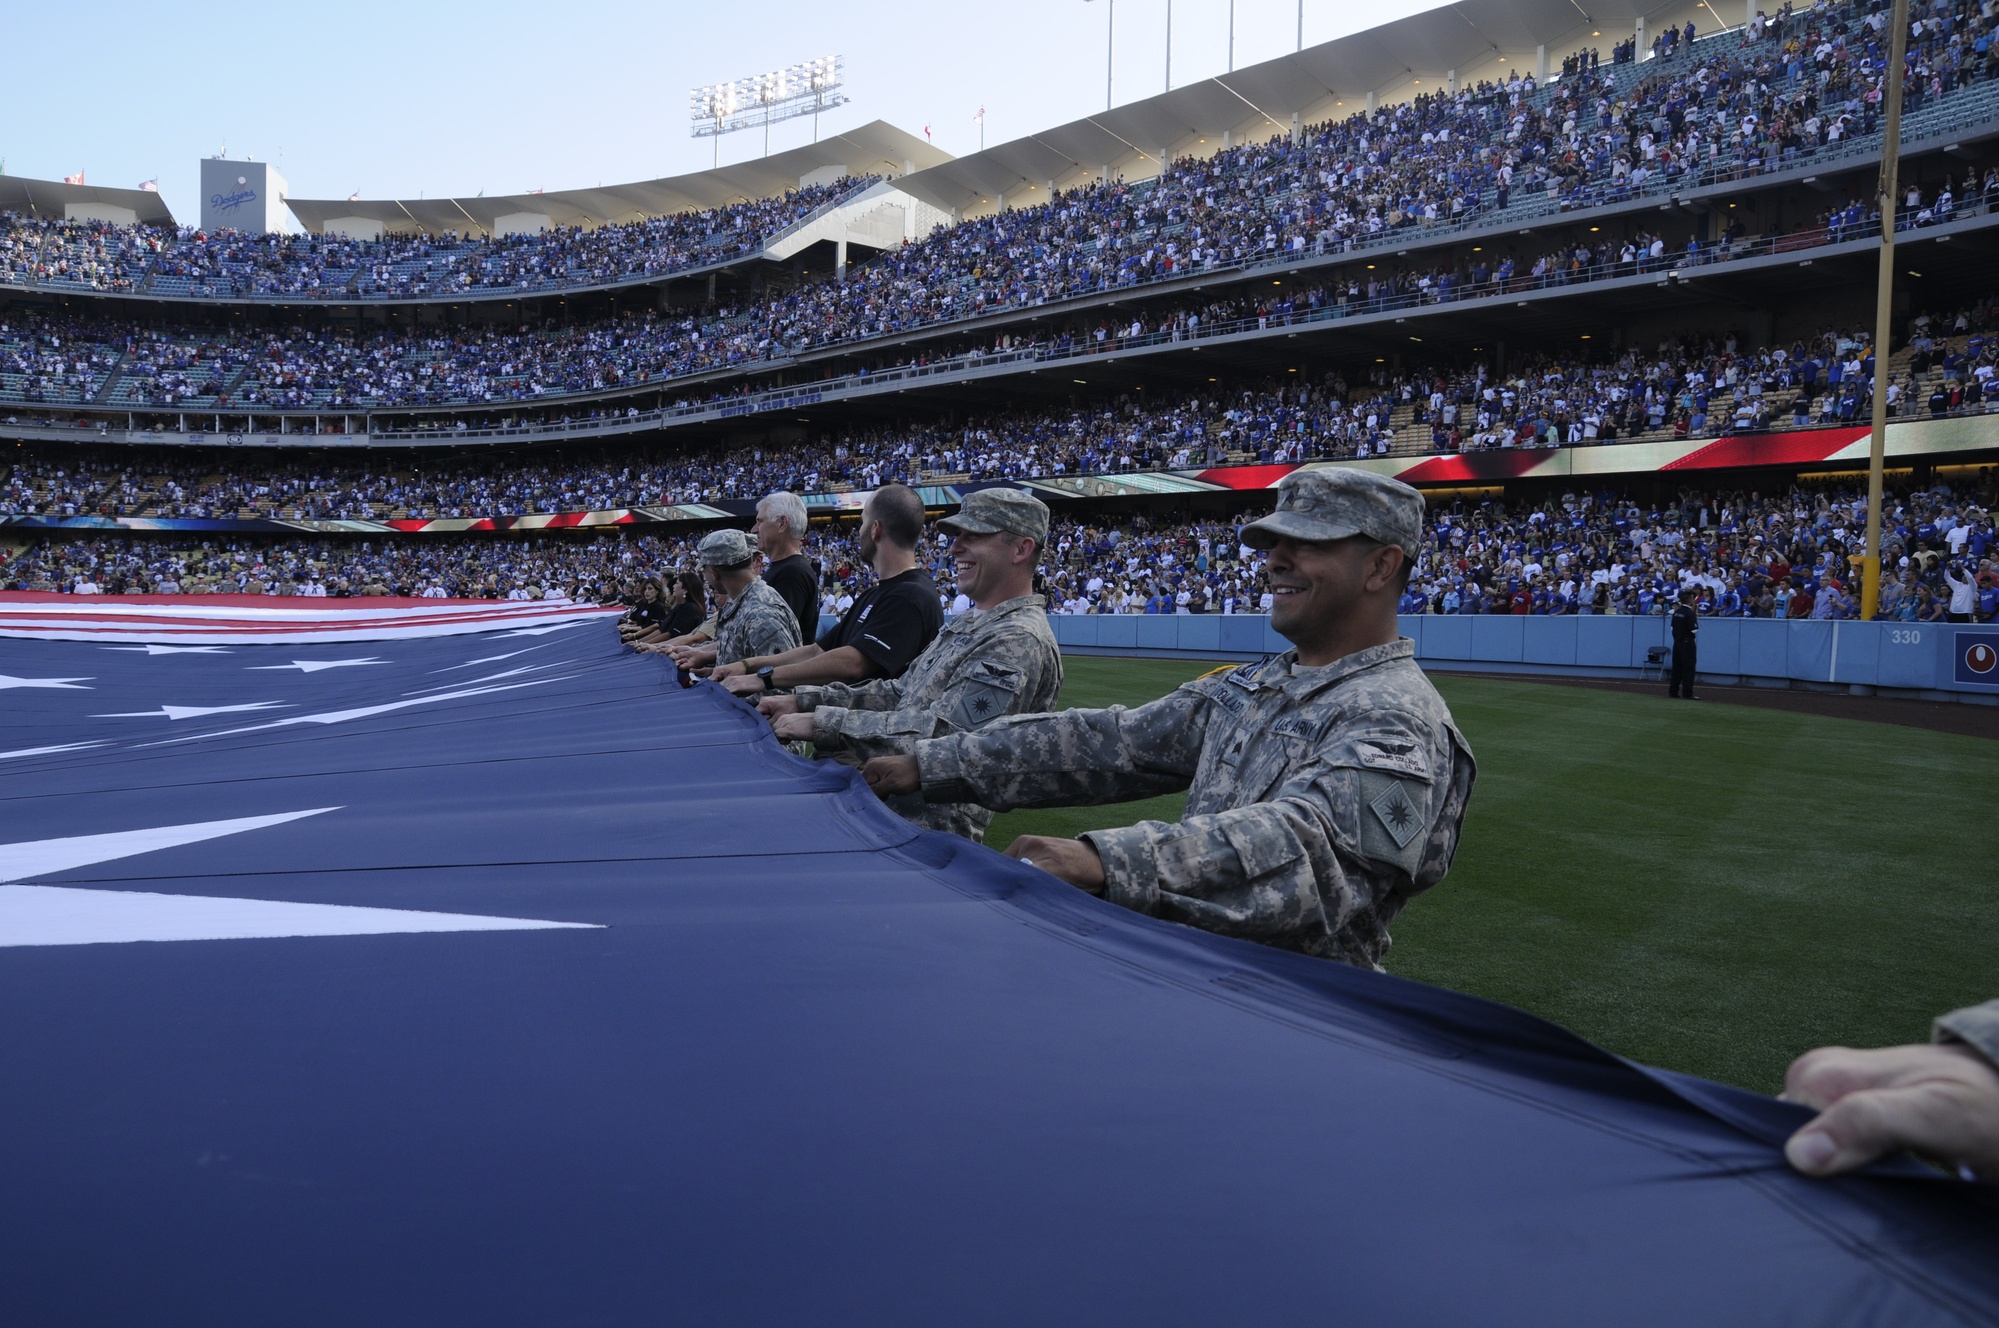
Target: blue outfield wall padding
1808,651
750,1049
1554,644
1908,656
1766,649
1605,642
1721,645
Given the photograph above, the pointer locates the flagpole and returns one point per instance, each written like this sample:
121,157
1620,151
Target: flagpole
1884,307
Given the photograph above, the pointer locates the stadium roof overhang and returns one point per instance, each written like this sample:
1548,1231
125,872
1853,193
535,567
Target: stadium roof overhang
1474,39
52,198
878,148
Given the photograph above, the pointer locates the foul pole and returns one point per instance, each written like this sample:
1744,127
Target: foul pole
1884,304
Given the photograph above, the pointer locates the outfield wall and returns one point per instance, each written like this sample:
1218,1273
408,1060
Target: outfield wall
1939,660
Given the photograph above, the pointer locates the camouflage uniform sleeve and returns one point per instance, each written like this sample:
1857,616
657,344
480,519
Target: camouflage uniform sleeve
772,631
1975,1026
874,694
1360,818
1010,673
1075,758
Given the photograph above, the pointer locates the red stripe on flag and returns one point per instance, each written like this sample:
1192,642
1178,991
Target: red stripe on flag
1245,477
1505,464
1768,449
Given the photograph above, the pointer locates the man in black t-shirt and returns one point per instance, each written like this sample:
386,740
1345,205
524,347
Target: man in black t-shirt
888,626
780,534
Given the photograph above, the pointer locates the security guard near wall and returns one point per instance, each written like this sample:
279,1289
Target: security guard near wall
998,659
1326,784
1686,624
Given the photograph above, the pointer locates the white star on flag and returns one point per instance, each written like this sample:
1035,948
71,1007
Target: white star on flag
315,665
69,915
358,712
53,684
191,712
45,751
171,650
538,631
485,659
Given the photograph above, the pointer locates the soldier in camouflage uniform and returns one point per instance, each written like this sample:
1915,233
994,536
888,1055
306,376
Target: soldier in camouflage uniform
756,620
999,659
1940,1101
1326,784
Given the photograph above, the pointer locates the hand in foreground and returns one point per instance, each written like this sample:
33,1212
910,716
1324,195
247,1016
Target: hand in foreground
1938,1101
735,670
793,728
890,775
1071,859
736,682
775,708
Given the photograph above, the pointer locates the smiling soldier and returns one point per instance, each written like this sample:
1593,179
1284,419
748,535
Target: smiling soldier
1000,658
1326,784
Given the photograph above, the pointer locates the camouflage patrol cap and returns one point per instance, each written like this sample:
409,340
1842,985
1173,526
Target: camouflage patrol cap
723,548
988,511
1337,501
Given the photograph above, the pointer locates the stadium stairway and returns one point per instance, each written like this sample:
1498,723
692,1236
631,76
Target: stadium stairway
110,384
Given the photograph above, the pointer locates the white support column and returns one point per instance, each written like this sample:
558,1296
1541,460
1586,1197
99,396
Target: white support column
1228,139
1297,127
1451,81
1638,51
1540,65
1104,173
1370,105
840,259
1049,187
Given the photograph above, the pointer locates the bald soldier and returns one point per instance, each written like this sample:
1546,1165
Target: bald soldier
1326,785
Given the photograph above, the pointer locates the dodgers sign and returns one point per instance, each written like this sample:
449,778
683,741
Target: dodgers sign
1977,656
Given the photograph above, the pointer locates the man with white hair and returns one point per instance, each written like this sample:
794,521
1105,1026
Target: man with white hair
780,536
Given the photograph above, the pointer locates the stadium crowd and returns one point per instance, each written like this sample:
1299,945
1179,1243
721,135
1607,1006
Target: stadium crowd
298,368
1793,554
1691,387
1735,102
230,264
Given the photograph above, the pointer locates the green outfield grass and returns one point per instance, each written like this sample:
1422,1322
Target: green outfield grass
1712,888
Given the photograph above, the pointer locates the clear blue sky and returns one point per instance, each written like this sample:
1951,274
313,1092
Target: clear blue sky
397,99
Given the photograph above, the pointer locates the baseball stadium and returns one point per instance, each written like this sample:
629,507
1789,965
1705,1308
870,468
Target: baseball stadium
1349,689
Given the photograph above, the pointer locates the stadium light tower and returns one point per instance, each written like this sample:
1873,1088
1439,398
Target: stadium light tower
1884,308
767,99
1110,44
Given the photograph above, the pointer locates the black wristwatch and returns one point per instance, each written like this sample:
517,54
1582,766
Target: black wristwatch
764,677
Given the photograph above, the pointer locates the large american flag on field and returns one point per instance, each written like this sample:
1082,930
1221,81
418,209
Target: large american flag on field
443,963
